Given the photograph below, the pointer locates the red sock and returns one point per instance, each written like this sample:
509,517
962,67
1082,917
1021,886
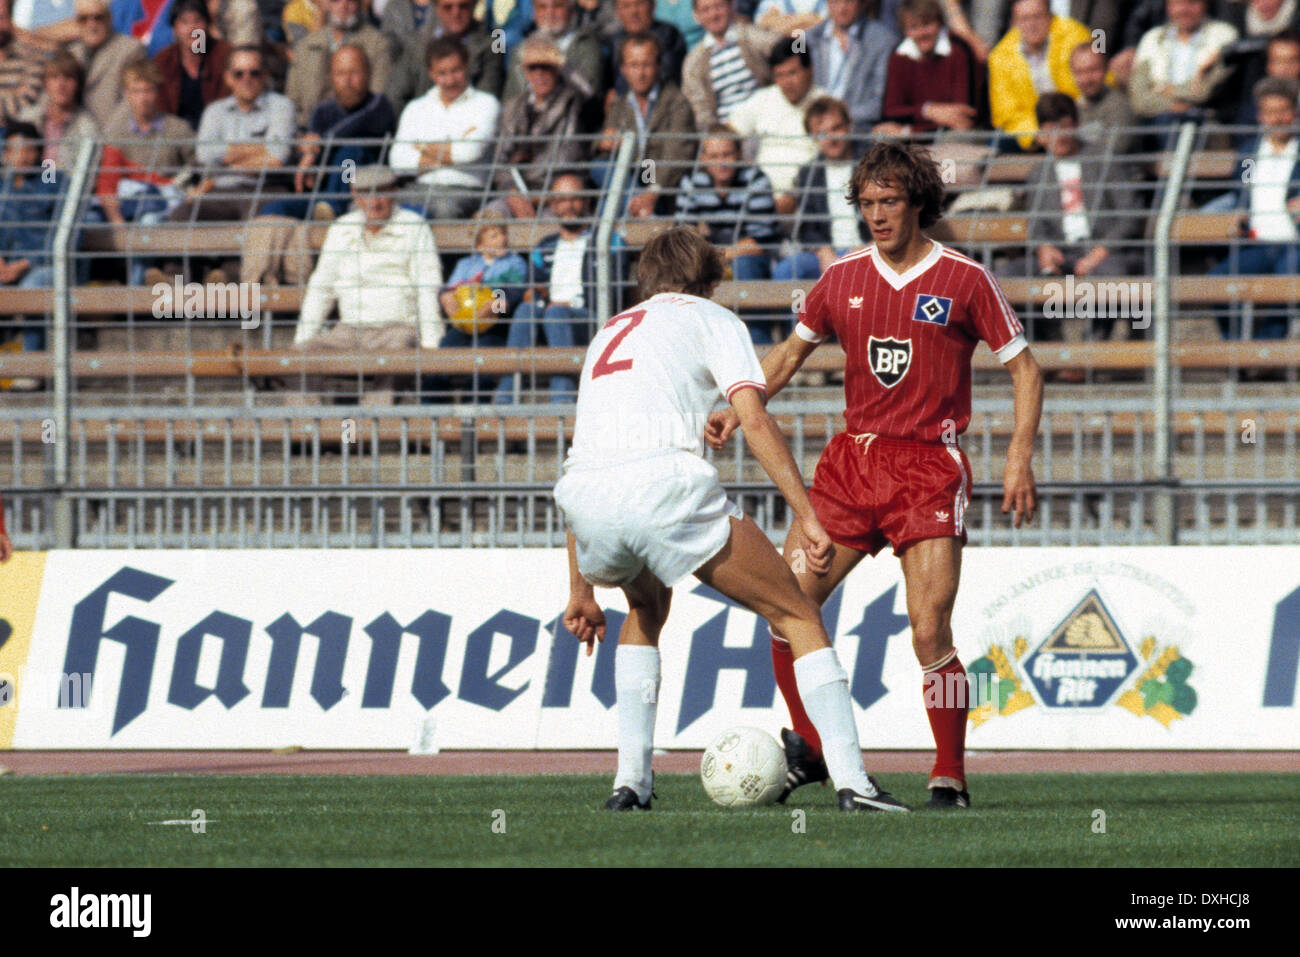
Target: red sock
943,692
783,668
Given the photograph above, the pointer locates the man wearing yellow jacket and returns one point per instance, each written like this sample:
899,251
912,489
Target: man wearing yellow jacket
1032,59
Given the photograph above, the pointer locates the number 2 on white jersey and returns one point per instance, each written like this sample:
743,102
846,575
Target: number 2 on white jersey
603,366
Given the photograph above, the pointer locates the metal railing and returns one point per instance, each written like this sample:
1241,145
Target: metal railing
465,477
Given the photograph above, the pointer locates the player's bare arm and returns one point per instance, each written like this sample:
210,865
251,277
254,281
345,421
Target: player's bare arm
1019,495
582,616
766,442
779,366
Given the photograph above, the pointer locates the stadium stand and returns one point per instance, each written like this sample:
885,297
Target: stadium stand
166,404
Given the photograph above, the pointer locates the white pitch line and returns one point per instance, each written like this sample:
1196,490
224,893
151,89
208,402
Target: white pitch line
187,821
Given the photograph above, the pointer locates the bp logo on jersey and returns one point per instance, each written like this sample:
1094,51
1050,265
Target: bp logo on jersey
890,359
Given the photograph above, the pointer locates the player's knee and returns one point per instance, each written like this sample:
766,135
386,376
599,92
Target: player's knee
797,611
931,638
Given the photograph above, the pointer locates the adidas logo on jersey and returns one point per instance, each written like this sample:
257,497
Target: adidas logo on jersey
941,515
855,302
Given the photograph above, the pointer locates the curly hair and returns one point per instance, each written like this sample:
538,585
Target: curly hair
907,166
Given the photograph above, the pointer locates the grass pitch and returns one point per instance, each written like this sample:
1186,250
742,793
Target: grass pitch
1149,820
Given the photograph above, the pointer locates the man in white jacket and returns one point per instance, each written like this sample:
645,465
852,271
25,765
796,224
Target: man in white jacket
1177,72
380,265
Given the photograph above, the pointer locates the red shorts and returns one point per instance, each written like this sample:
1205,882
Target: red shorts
869,490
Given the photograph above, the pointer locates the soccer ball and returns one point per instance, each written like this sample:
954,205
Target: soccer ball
470,298
743,767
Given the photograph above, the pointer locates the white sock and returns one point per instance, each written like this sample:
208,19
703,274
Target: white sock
824,688
636,685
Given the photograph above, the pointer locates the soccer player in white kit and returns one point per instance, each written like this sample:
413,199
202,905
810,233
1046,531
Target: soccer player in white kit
645,510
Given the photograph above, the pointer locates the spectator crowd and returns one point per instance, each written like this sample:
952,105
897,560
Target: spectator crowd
745,118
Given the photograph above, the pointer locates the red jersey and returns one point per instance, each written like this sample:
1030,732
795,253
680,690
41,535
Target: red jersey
908,339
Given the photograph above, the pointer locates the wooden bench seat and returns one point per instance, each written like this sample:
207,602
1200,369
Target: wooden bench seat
1202,228
774,296
237,362
1205,165
217,239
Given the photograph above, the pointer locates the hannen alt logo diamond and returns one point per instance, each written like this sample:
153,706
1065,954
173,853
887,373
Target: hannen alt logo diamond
1084,660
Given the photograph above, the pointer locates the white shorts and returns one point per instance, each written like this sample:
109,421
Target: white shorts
666,511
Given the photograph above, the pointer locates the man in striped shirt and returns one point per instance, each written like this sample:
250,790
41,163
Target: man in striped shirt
22,67
731,205
909,313
727,66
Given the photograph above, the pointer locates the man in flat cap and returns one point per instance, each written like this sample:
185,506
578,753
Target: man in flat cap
380,265
579,48
540,128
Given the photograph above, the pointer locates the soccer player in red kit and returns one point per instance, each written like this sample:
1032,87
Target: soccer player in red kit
908,313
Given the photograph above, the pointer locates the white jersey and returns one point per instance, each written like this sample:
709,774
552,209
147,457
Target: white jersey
654,373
